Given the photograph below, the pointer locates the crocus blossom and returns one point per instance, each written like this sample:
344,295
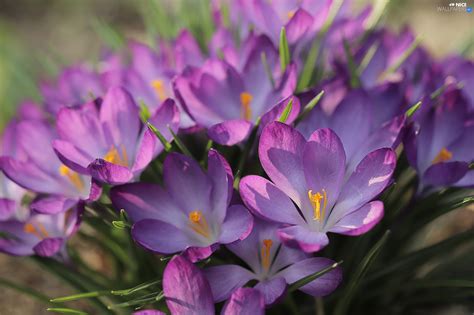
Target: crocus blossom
228,99
311,175
107,141
193,209
274,267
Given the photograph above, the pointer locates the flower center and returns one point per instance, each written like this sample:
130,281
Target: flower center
39,231
443,156
315,199
198,223
265,253
113,156
245,100
73,177
159,87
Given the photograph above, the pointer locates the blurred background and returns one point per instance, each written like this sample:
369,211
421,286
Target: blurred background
37,38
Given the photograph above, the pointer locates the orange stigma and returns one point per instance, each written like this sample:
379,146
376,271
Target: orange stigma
443,156
267,245
114,157
159,88
315,200
73,177
39,231
198,223
245,100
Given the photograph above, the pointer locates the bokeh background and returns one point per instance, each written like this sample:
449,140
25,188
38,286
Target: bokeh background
38,37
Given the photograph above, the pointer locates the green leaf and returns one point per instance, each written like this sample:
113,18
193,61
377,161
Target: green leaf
166,145
108,34
79,296
397,64
284,50
266,66
179,143
137,288
121,225
354,76
64,310
302,282
309,107
286,112
359,273
144,112
412,110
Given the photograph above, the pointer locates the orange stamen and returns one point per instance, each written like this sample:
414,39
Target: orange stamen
443,156
267,245
73,177
39,231
159,88
245,100
113,156
199,224
315,200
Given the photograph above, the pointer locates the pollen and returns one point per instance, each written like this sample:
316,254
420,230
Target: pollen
443,156
265,253
245,100
39,231
115,157
198,223
316,200
72,176
159,87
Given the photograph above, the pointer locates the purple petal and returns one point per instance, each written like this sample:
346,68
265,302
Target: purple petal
230,132
323,285
302,238
225,279
109,173
264,199
7,208
280,151
148,312
167,115
275,112
237,225
220,174
52,204
73,157
146,151
361,220
298,25
245,301
155,235
96,190
21,244
272,289
186,289
195,254
48,247
444,174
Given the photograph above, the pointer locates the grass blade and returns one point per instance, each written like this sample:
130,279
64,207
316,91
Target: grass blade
302,282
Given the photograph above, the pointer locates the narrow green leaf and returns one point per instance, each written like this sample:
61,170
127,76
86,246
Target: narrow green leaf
135,289
179,143
359,273
79,296
440,283
121,225
266,66
407,53
64,310
377,12
146,299
108,34
166,145
302,282
309,107
354,76
286,112
284,50
367,58
412,110
144,112
245,153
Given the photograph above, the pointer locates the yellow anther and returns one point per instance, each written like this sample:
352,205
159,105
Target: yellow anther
245,100
198,223
73,177
290,14
160,90
40,231
443,156
113,156
267,245
315,200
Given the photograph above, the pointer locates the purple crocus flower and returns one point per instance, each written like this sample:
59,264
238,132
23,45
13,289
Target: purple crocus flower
187,292
107,140
40,234
311,175
228,99
274,267
463,70
75,85
39,170
439,141
190,213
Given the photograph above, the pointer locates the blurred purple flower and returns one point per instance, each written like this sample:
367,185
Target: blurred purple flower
311,175
274,267
191,213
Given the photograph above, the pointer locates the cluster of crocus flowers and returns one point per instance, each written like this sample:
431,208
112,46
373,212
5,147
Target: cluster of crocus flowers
277,175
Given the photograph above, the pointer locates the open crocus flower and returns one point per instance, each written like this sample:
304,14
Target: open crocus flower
439,142
40,234
229,100
274,267
363,121
38,169
187,292
74,86
311,175
191,213
107,140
